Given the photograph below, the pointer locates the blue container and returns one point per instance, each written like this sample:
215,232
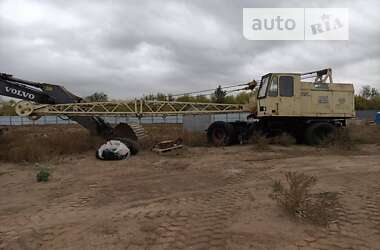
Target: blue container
378,118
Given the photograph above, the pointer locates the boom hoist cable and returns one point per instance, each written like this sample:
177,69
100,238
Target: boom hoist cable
229,89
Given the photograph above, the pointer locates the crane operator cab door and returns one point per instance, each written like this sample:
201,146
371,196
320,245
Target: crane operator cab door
276,96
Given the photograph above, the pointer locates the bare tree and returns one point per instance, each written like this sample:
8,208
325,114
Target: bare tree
368,92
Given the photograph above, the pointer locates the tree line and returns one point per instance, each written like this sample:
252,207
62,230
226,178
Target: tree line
368,98
218,96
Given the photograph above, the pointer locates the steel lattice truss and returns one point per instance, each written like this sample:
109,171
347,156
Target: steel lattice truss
137,108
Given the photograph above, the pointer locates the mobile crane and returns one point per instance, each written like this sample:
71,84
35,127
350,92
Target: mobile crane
312,111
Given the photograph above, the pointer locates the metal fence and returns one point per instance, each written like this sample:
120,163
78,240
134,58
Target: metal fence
52,120
369,115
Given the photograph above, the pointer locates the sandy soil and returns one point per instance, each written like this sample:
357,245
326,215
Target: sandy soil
196,198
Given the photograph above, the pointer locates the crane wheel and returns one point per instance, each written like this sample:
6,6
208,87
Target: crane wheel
24,108
320,133
220,133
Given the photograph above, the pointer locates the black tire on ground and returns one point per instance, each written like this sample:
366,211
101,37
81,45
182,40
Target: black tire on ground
319,133
221,134
131,144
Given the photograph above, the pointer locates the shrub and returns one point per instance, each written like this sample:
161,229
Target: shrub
43,175
284,139
194,139
348,139
298,201
260,141
342,141
364,134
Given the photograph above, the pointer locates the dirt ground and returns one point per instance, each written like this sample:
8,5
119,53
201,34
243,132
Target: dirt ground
195,198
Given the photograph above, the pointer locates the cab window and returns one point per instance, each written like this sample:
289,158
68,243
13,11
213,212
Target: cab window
286,86
263,87
273,89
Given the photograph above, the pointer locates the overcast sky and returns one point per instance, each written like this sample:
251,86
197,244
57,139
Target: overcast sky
135,47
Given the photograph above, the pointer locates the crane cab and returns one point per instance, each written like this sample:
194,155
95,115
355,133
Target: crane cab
276,94
289,95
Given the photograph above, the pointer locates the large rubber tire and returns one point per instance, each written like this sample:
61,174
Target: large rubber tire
131,131
221,134
131,144
320,133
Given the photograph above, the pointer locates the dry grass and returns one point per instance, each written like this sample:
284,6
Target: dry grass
262,142
259,141
365,134
194,139
284,140
348,139
342,142
42,143
35,144
161,132
296,199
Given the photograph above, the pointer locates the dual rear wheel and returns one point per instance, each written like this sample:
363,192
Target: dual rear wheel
320,133
221,134
224,134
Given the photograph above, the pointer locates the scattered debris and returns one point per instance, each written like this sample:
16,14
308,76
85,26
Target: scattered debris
167,145
113,150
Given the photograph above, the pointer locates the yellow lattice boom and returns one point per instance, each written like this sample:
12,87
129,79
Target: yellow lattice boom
137,108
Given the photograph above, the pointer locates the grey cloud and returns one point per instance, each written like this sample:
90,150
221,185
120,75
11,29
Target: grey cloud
131,48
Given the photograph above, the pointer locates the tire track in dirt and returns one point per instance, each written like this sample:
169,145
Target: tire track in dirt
372,209
197,217
194,221
347,231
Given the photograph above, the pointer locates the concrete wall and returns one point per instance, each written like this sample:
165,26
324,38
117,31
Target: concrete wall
199,123
196,123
